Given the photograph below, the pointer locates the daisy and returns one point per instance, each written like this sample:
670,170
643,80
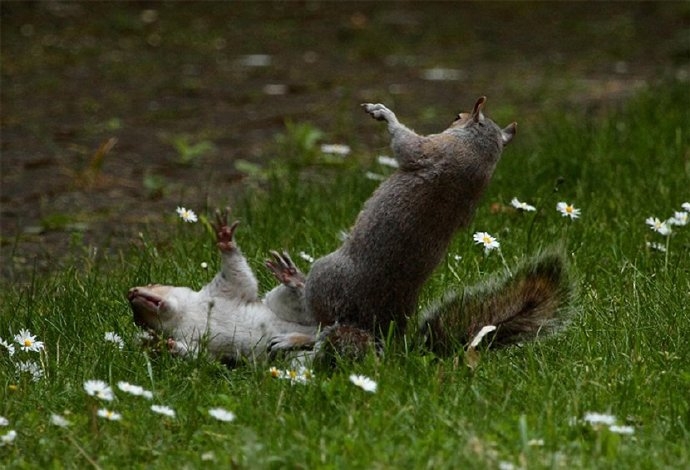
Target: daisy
163,410
113,337
4,421
388,161
59,421
187,215
135,390
108,414
523,206
28,341
489,242
599,418
568,210
336,149
656,246
679,218
306,257
686,206
8,438
204,265
479,336
363,382
31,368
622,429
99,389
658,226
222,414
370,175
8,346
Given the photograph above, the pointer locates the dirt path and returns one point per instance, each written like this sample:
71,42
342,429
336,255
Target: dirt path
173,93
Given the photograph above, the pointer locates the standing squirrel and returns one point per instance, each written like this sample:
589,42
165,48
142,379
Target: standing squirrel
370,285
227,314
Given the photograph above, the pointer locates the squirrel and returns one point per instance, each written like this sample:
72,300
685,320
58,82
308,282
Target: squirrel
370,286
227,314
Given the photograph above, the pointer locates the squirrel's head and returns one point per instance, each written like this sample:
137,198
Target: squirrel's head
159,307
477,123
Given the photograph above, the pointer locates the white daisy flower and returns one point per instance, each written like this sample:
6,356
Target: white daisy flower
686,206
364,382
59,421
113,337
221,414
599,418
9,347
99,389
135,390
4,421
656,246
204,265
485,239
163,410
27,341
568,210
658,226
336,149
523,206
187,215
108,414
306,257
8,438
388,161
370,175
479,336
622,429
679,219
29,367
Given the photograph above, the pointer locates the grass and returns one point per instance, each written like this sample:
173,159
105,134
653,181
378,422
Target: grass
626,354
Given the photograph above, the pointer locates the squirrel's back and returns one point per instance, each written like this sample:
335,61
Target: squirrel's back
404,229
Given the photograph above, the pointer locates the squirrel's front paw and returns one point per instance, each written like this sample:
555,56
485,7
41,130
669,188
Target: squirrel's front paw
284,269
378,111
225,233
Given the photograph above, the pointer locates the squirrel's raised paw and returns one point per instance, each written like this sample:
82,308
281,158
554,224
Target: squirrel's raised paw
290,341
225,233
284,269
379,111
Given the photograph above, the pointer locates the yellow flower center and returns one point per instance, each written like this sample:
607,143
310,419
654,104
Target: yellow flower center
486,240
28,342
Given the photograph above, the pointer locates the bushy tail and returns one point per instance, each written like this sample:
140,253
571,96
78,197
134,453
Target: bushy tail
534,301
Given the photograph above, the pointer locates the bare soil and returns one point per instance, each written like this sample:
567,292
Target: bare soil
108,107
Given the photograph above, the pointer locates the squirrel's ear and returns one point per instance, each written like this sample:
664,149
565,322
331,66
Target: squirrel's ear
477,111
508,133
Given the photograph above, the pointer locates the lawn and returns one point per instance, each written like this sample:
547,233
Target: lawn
625,356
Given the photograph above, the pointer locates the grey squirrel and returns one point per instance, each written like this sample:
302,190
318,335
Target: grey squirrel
370,285
226,315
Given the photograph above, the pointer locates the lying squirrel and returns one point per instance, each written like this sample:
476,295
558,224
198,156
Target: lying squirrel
371,284
226,315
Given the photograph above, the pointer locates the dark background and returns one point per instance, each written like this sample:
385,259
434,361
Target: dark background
225,77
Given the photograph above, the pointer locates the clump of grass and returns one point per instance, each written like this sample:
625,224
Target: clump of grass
625,356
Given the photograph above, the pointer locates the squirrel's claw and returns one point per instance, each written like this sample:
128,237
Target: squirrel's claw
283,268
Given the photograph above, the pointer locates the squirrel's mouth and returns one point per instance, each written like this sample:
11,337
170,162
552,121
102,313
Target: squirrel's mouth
145,306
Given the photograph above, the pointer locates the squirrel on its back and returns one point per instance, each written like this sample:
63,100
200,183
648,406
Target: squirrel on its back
371,284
